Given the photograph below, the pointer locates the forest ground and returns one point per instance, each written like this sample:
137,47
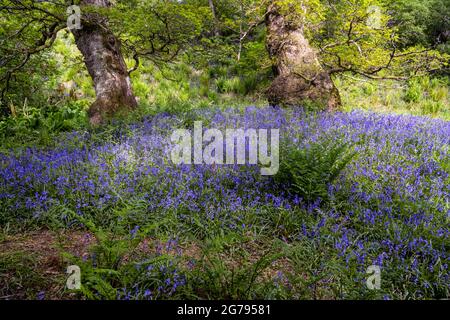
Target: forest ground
278,247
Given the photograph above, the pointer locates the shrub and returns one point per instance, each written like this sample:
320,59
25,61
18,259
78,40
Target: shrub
31,123
232,85
414,92
307,172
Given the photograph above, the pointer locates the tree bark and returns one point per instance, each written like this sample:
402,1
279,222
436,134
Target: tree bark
300,79
102,54
214,15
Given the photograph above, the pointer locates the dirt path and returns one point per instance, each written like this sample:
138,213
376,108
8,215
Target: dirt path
31,265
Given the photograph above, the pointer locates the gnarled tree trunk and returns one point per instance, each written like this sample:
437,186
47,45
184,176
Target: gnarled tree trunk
300,79
103,58
212,7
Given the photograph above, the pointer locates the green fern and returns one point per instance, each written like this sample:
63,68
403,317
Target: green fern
308,172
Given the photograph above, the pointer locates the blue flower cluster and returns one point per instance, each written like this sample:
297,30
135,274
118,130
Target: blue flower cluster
390,207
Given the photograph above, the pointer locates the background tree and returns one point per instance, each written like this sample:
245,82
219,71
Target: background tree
300,78
104,60
310,42
157,30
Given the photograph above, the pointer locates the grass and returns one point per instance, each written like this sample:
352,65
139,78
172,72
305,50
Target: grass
421,96
18,275
29,270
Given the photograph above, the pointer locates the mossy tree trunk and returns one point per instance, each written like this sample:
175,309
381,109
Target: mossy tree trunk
300,79
102,54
